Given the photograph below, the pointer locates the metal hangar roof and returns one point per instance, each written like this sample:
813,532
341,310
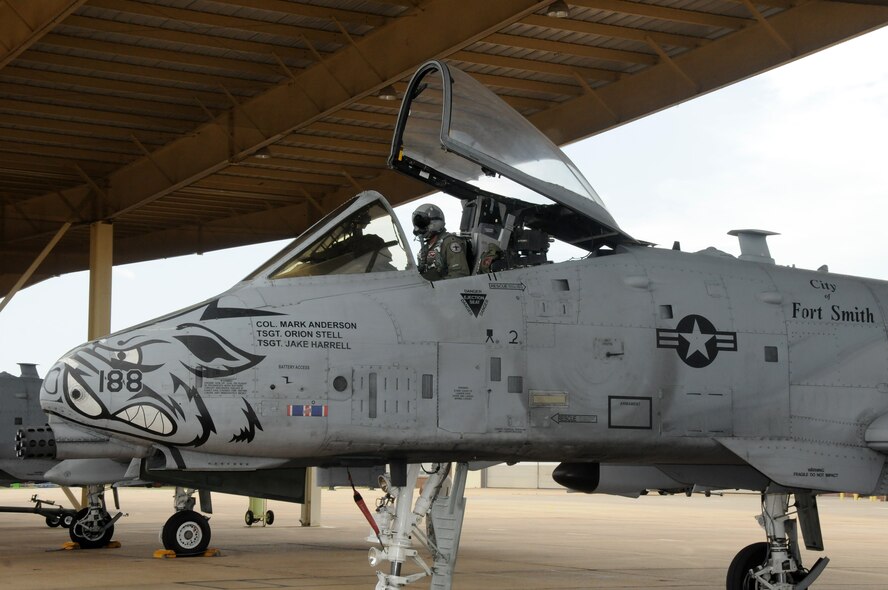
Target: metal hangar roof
194,125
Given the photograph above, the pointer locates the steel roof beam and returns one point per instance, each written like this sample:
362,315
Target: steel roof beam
322,155
262,174
367,147
248,228
30,166
24,22
87,81
614,31
316,92
807,28
70,153
782,3
199,192
173,57
210,19
398,189
95,116
169,75
533,65
527,85
593,51
352,130
211,38
28,136
17,89
46,125
367,116
285,164
666,13
279,222
313,11
26,276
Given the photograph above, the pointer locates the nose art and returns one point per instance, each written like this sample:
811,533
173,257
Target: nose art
51,389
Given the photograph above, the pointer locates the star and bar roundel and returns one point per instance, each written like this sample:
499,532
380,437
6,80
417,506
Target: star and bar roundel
697,341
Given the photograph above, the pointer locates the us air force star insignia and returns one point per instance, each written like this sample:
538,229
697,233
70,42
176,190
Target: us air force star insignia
696,340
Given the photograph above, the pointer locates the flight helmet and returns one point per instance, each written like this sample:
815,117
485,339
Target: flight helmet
428,219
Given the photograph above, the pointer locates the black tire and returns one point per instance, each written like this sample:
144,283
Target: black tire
750,557
67,520
85,538
186,533
53,521
248,518
269,518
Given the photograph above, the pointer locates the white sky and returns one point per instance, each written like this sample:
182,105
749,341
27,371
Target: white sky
800,150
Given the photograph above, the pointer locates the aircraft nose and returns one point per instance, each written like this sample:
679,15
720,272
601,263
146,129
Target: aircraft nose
51,390
73,387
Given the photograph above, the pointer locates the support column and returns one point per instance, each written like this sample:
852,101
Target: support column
101,248
311,509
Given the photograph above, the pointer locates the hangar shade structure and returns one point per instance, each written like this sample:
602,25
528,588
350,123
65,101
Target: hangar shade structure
194,125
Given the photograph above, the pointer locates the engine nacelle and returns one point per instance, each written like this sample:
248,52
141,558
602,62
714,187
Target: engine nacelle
620,480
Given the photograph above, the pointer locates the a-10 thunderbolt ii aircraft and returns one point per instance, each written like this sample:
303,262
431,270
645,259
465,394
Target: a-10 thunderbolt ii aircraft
635,367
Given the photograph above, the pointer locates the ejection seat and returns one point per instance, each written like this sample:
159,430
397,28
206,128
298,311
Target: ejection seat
496,240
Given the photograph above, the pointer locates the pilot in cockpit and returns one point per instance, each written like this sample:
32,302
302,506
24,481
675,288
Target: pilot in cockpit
442,254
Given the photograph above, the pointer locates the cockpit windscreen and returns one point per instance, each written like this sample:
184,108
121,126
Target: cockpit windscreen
365,241
359,236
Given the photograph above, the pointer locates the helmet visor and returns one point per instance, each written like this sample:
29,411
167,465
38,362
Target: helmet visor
421,220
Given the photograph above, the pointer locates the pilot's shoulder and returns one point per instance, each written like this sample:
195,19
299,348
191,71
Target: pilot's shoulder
453,243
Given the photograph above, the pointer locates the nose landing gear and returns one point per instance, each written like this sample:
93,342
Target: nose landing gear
444,516
187,532
93,526
777,563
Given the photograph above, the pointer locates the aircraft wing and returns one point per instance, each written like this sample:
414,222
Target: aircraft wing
810,465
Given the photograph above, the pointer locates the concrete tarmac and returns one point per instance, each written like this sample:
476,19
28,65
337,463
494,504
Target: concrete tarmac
512,539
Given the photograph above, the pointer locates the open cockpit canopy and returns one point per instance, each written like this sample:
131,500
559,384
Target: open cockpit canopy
462,139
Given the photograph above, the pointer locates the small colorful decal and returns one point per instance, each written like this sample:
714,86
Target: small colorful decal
308,410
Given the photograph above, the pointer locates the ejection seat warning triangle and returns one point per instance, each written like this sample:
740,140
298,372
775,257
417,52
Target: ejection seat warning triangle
475,301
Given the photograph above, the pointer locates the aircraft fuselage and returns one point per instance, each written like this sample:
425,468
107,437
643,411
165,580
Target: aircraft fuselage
643,355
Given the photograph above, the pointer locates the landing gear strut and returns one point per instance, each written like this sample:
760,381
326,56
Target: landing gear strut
93,526
777,563
186,532
443,512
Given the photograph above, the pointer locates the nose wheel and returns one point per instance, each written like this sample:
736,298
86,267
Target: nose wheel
186,533
745,562
92,527
91,531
